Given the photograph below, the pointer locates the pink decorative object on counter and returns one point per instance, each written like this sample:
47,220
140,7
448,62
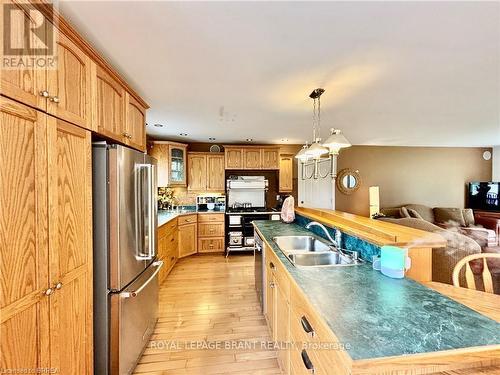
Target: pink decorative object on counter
288,210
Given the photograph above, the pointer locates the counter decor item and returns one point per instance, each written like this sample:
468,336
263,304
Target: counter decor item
166,198
287,210
394,261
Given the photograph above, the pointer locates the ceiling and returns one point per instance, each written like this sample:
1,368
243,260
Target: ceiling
395,73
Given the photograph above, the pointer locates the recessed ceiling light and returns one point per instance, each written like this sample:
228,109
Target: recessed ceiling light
211,138
183,134
249,139
159,125
284,140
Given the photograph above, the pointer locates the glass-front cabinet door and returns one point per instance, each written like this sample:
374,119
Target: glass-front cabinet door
177,156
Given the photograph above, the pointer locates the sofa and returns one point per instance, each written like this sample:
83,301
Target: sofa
462,240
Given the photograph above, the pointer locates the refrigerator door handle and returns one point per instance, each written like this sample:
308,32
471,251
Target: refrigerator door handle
151,202
133,293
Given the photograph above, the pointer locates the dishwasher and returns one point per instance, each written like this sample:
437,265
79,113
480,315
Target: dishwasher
260,266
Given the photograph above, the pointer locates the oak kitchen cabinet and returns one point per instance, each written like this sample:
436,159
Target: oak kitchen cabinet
210,232
83,89
172,166
46,164
286,173
206,171
251,157
188,235
167,247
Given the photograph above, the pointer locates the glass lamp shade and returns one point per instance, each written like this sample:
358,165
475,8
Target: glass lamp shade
301,155
316,150
336,141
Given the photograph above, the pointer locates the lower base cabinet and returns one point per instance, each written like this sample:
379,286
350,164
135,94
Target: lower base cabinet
167,248
187,239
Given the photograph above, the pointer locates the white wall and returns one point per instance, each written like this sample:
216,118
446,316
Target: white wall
496,164
316,193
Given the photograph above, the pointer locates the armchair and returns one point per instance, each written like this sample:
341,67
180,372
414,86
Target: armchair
489,222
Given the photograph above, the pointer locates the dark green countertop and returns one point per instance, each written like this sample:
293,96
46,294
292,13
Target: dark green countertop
376,316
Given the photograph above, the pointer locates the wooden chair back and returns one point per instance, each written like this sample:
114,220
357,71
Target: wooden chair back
469,276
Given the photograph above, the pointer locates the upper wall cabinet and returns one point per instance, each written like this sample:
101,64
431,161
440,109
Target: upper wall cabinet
69,85
27,85
109,105
234,157
206,171
286,173
80,88
135,123
252,157
171,158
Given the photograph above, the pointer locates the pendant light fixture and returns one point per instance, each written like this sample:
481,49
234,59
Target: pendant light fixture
317,151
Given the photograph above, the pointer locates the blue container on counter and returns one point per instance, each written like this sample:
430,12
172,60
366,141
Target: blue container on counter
394,261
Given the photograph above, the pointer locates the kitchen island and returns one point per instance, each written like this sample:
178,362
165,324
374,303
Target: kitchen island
380,325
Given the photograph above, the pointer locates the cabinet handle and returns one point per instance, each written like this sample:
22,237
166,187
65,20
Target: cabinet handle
188,220
44,93
58,285
210,245
54,99
271,285
271,264
48,292
307,362
172,258
127,135
307,326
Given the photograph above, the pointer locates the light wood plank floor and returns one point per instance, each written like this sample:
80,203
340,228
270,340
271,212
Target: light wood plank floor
209,299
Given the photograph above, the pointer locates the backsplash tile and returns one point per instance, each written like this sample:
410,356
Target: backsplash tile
365,249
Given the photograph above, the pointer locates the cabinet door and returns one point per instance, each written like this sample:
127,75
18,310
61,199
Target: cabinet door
215,179
271,302
286,174
234,158
136,123
197,172
69,84
252,158
70,238
270,158
109,105
24,308
160,152
282,328
187,240
177,158
25,84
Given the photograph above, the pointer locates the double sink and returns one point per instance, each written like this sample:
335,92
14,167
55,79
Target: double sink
308,251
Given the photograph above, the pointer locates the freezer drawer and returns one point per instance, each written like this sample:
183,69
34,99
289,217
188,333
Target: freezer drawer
134,312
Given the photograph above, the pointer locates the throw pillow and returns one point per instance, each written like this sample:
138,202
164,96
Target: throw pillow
403,212
468,217
449,216
414,214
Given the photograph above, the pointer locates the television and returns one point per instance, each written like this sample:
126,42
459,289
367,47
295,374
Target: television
484,196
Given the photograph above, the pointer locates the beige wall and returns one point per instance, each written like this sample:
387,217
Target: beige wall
433,176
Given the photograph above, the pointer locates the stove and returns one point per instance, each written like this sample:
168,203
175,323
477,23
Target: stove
250,210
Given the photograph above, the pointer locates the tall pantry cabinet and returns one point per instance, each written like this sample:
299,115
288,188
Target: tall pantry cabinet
46,243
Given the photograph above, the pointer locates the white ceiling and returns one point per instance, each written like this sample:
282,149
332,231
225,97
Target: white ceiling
395,73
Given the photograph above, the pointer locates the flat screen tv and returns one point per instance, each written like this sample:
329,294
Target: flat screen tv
484,196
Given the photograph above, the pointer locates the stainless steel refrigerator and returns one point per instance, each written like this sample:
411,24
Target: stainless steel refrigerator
125,264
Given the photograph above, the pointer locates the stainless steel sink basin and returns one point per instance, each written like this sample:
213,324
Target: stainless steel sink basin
297,244
331,258
308,251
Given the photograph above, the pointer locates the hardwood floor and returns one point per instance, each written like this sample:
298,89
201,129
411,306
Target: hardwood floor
209,300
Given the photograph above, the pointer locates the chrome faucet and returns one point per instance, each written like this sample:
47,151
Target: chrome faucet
315,223
337,242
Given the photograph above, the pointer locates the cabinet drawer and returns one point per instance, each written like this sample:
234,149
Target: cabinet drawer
210,218
187,219
211,229
167,228
208,245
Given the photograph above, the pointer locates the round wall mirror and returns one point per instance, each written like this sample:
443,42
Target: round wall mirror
348,181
